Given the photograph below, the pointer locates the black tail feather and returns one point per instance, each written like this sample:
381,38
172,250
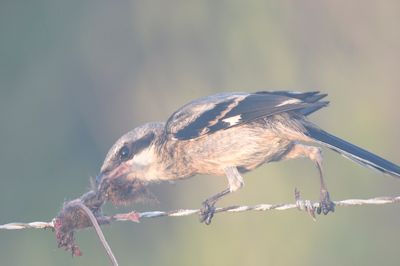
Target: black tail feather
353,152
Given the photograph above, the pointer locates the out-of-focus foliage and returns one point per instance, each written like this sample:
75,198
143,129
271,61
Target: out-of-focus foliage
75,75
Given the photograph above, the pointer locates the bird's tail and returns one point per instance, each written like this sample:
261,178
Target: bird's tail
353,152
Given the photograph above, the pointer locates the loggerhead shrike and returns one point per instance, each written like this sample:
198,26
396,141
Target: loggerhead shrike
226,134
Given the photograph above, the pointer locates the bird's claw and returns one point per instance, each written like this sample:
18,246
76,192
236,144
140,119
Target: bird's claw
325,205
207,212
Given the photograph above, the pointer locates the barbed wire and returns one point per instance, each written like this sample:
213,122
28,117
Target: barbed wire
303,205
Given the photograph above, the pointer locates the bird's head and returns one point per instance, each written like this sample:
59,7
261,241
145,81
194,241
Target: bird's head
125,172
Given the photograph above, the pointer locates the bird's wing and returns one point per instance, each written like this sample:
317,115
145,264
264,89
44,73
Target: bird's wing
225,110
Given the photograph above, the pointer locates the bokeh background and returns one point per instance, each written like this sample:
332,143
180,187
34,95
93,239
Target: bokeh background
75,75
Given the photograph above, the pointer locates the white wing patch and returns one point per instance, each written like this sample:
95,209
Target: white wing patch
234,120
290,101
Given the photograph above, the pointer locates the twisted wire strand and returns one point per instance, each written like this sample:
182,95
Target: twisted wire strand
304,205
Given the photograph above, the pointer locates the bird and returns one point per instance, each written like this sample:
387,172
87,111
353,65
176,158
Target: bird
226,134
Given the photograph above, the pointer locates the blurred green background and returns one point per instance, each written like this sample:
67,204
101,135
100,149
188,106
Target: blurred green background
75,75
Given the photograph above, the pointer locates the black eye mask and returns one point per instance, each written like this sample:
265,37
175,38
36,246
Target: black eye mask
130,149
142,143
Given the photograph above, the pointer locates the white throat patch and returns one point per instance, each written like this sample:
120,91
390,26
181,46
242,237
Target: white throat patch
145,157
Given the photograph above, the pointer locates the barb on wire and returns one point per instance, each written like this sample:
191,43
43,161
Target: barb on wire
304,205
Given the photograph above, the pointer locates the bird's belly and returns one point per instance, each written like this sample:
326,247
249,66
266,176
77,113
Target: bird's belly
243,147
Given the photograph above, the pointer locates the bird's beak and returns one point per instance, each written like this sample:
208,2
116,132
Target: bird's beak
121,170
100,177
119,185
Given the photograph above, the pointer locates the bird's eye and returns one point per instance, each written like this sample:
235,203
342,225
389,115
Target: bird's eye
124,153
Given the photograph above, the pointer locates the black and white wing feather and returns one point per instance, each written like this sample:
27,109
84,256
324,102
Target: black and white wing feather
225,110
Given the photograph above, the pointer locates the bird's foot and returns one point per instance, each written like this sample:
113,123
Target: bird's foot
325,205
207,212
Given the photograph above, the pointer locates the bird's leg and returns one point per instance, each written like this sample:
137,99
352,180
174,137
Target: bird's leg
326,205
315,155
208,206
235,182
